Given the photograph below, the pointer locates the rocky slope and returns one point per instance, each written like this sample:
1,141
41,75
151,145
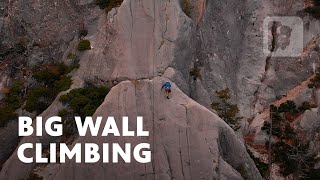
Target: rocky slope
188,141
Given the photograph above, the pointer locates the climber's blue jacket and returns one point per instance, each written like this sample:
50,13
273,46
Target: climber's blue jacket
166,85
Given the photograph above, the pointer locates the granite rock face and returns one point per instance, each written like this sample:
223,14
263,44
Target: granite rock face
45,23
187,140
229,47
140,45
137,47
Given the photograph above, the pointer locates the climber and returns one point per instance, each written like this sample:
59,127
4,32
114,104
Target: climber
167,87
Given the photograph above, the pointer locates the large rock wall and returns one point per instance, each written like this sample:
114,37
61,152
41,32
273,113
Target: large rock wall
187,140
229,49
143,41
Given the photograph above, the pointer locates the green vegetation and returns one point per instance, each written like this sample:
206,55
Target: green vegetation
227,111
63,69
187,7
305,106
316,2
50,80
276,130
102,3
11,102
49,74
108,4
281,115
62,84
289,106
6,114
262,167
291,151
71,56
46,76
311,174
38,99
292,158
81,102
314,10
85,101
84,44
13,97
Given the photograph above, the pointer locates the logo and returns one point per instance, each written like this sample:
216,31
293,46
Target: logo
283,36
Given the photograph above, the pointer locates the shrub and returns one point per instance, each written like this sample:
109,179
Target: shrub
71,56
63,69
314,10
102,3
280,150
85,101
187,7
316,2
290,152
262,167
84,44
12,101
311,85
289,132
276,130
289,106
227,111
6,114
63,84
292,158
305,106
38,99
13,98
54,79
46,76
113,4
80,102
63,113
108,4
278,122
52,73
312,174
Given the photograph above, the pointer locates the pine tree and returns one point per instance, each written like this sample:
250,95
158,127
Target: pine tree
226,110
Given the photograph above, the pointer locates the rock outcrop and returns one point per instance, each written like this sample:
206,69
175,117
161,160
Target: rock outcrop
137,47
187,140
